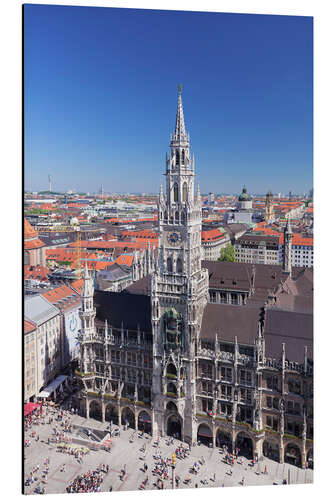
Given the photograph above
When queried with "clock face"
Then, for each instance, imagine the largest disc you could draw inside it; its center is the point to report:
(174, 237)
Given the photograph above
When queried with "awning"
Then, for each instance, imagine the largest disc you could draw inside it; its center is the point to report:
(30, 407)
(52, 386)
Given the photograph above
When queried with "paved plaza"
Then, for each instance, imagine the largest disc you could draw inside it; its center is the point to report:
(128, 452)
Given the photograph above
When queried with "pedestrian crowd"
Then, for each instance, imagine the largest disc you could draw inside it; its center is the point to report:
(90, 482)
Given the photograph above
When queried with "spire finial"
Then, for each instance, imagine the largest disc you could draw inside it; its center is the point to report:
(180, 132)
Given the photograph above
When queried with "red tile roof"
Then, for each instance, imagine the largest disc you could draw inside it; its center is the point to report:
(211, 235)
(29, 231)
(36, 273)
(77, 285)
(33, 244)
(125, 260)
(63, 296)
(302, 241)
(29, 326)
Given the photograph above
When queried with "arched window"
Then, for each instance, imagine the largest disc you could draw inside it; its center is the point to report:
(177, 217)
(183, 156)
(179, 265)
(171, 370)
(165, 216)
(183, 218)
(177, 157)
(184, 192)
(169, 265)
(175, 192)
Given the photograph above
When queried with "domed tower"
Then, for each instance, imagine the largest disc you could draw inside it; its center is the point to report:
(245, 200)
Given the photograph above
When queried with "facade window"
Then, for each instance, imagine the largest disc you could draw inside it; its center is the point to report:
(179, 266)
(272, 383)
(226, 373)
(175, 193)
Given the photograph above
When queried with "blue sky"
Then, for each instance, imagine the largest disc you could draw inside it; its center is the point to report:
(101, 97)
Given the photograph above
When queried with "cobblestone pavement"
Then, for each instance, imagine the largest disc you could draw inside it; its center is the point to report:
(123, 452)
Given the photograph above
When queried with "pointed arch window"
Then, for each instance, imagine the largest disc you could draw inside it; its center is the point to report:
(184, 192)
(179, 265)
(175, 193)
(165, 216)
(177, 217)
(169, 265)
(183, 218)
(183, 156)
(177, 157)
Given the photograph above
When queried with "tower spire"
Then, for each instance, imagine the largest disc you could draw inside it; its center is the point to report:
(180, 132)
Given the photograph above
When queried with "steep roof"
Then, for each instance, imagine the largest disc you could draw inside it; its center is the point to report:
(29, 231)
(295, 329)
(228, 322)
(122, 309)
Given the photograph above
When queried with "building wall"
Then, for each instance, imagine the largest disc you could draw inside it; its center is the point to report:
(259, 255)
(48, 347)
(212, 249)
(302, 255)
(30, 366)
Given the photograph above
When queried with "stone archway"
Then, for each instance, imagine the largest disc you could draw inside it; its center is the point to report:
(127, 417)
(223, 438)
(111, 414)
(174, 426)
(271, 449)
(244, 444)
(292, 454)
(144, 422)
(205, 434)
(95, 410)
(309, 458)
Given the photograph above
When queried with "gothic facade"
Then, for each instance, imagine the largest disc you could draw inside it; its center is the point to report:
(200, 349)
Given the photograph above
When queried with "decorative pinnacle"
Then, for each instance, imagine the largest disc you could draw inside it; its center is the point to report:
(180, 88)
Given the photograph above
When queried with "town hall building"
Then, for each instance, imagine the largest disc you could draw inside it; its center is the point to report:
(211, 352)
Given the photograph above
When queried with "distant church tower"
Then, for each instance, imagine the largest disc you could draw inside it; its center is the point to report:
(288, 236)
(179, 292)
(269, 210)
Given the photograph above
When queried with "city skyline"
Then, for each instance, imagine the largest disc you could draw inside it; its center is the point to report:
(93, 114)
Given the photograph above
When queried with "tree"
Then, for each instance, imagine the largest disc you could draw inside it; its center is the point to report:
(227, 254)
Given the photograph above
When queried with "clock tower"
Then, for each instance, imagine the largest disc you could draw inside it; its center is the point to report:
(179, 291)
